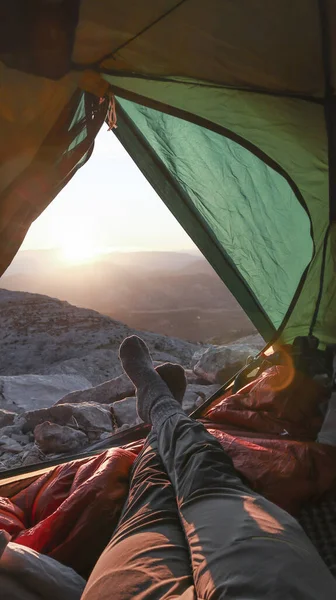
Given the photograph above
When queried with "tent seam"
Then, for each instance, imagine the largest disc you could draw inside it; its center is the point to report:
(330, 129)
(137, 35)
(205, 84)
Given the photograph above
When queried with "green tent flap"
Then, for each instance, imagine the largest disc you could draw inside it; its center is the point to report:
(233, 196)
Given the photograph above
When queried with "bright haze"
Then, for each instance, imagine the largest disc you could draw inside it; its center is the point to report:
(107, 206)
(109, 243)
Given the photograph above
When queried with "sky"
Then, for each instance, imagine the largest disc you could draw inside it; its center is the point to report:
(108, 205)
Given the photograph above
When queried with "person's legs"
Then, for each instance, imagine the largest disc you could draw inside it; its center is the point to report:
(242, 546)
(147, 557)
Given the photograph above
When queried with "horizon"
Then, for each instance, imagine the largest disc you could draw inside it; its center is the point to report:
(124, 250)
(108, 206)
(55, 257)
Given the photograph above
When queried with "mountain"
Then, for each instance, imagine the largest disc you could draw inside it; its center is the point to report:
(172, 293)
(153, 261)
(43, 335)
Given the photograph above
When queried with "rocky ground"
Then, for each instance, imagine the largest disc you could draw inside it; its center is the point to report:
(62, 388)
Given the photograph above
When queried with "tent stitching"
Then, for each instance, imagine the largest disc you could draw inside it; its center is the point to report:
(206, 84)
(319, 297)
(137, 35)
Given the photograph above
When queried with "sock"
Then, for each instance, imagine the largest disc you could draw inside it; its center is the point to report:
(174, 376)
(155, 399)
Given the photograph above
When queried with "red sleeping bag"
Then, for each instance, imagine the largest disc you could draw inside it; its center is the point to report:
(267, 428)
(70, 512)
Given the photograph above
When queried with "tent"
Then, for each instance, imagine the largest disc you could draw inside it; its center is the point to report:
(228, 109)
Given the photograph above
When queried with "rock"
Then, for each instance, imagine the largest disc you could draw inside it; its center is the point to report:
(196, 394)
(6, 417)
(219, 363)
(11, 460)
(193, 378)
(199, 401)
(90, 417)
(125, 411)
(29, 447)
(6, 456)
(51, 437)
(163, 357)
(19, 421)
(9, 445)
(105, 393)
(97, 366)
(21, 438)
(61, 416)
(33, 455)
(39, 334)
(26, 392)
(10, 430)
(197, 355)
(105, 435)
(123, 427)
(189, 401)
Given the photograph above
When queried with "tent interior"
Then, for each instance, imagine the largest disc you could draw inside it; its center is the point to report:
(229, 110)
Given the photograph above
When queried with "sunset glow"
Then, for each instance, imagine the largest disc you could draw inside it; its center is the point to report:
(78, 252)
(108, 204)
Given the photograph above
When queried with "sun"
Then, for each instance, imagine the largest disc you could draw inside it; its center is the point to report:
(78, 253)
(78, 245)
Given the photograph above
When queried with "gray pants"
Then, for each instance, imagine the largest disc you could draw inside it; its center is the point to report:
(191, 529)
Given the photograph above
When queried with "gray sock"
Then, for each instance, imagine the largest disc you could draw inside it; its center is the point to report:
(155, 401)
(174, 376)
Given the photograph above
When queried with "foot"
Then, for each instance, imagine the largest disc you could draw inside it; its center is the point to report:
(167, 382)
(174, 376)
